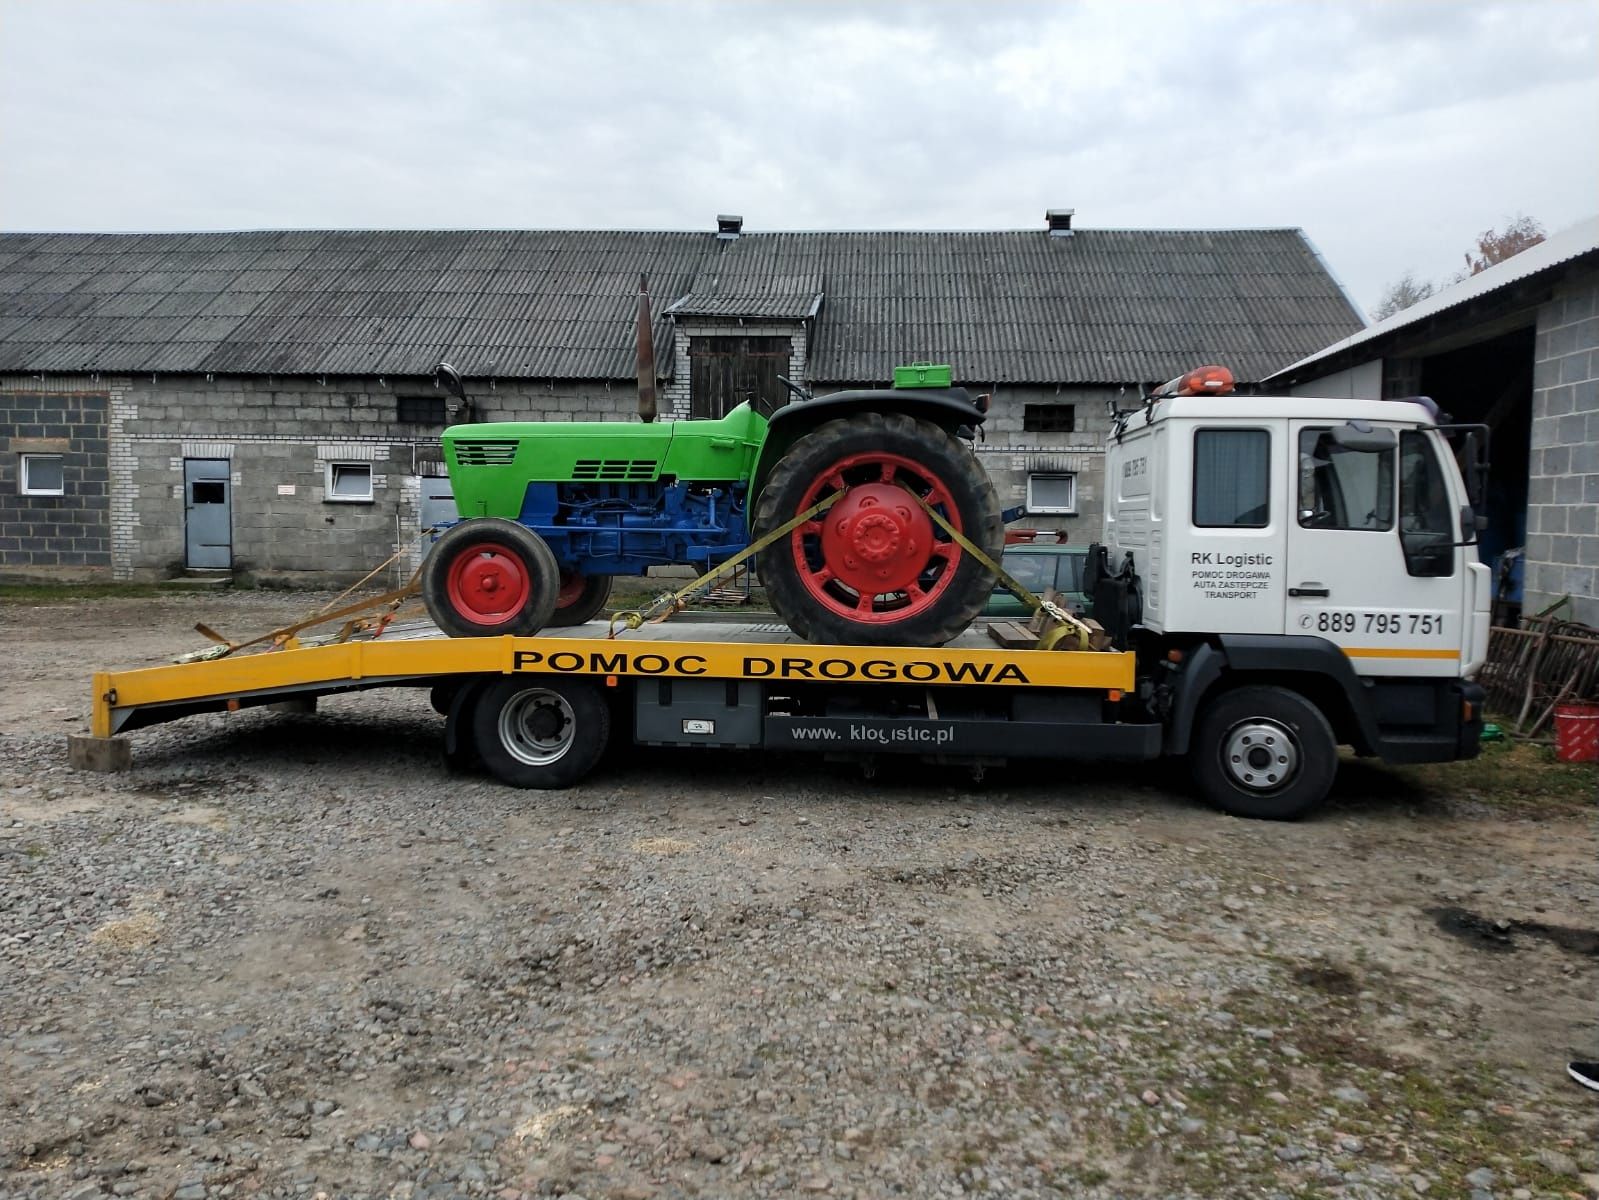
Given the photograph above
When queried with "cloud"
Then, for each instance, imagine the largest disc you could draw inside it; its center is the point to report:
(1391, 132)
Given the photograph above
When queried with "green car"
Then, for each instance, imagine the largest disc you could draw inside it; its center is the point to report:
(1040, 566)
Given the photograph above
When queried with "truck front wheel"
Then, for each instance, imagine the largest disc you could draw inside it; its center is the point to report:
(1264, 752)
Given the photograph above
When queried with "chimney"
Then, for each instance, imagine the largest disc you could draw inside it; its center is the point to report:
(728, 227)
(1059, 221)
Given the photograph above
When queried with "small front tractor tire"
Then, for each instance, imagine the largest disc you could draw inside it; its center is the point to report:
(1264, 752)
(536, 733)
(580, 598)
(488, 576)
(874, 569)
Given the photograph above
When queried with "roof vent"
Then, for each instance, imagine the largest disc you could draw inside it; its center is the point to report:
(728, 227)
(1059, 221)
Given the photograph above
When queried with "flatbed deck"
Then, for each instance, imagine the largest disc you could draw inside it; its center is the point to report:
(418, 655)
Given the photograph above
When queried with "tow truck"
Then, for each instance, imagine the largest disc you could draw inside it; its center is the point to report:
(1277, 576)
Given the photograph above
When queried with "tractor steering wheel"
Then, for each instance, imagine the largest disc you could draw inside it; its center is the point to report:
(799, 392)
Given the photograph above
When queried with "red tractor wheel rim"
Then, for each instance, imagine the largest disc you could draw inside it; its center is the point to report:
(571, 589)
(488, 583)
(875, 555)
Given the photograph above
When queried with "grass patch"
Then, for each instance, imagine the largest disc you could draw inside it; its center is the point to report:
(61, 593)
(1510, 773)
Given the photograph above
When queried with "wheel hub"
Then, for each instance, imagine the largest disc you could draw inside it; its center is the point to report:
(1261, 755)
(876, 539)
(488, 583)
(537, 727)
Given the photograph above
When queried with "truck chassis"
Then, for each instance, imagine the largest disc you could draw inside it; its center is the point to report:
(539, 711)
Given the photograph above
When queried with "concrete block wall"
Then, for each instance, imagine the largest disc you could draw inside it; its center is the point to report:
(69, 533)
(1010, 454)
(279, 435)
(1563, 471)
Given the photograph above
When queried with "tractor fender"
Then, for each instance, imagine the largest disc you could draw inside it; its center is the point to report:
(948, 408)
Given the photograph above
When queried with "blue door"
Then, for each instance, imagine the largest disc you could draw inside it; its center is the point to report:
(207, 514)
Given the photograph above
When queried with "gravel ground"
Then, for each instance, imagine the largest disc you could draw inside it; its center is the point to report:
(292, 956)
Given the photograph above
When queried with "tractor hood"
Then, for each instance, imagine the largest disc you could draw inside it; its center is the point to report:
(491, 464)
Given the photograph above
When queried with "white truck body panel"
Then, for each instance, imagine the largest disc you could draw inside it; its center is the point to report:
(1243, 518)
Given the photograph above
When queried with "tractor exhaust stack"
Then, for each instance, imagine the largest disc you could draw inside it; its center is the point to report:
(646, 353)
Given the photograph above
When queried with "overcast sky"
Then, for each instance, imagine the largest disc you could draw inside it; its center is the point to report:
(1390, 132)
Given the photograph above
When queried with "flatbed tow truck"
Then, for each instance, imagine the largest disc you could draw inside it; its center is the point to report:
(1278, 577)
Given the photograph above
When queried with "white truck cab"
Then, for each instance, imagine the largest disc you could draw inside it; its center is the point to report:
(1323, 546)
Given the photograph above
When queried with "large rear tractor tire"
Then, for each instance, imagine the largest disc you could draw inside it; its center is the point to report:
(580, 598)
(874, 569)
(488, 576)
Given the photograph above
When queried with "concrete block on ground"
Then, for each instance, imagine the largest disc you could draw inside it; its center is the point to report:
(86, 753)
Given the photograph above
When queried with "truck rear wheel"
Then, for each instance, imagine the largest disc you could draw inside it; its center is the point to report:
(580, 598)
(875, 568)
(488, 576)
(1264, 752)
(536, 733)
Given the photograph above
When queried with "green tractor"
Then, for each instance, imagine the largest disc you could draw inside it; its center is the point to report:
(551, 511)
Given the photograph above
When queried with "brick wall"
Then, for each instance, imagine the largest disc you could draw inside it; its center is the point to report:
(1563, 481)
(69, 533)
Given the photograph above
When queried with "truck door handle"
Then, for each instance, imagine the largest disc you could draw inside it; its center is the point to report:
(1309, 590)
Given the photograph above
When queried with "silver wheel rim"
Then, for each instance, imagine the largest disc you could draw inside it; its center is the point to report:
(1260, 755)
(537, 727)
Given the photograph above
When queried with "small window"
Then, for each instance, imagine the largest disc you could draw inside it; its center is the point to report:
(349, 482)
(209, 491)
(43, 475)
(419, 410)
(1426, 517)
(1049, 418)
(1052, 493)
(1343, 489)
(1232, 478)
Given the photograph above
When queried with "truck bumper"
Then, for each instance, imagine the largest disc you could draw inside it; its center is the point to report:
(1455, 735)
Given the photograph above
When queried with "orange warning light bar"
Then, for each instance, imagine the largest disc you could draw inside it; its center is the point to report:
(1201, 381)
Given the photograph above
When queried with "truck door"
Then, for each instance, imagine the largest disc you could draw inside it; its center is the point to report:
(1371, 564)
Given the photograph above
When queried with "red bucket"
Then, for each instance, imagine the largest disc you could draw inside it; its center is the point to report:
(1577, 732)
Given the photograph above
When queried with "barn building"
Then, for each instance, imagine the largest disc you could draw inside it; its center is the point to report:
(1516, 347)
(262, 402)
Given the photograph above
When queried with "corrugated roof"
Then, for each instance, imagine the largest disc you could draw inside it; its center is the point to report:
(1101, 306)
(1570, 243)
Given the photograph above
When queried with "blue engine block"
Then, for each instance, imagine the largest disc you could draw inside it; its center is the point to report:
(625, 528)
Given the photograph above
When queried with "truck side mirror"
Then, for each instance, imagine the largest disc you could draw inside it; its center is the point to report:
(1363, 438)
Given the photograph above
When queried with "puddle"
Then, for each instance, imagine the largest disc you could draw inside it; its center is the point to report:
(1501, 936)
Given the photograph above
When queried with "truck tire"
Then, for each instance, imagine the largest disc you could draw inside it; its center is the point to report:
(488, 576)
(1264, 752)
(532, 732)
(874, 569)
(580, 598)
